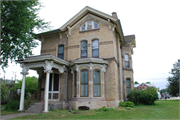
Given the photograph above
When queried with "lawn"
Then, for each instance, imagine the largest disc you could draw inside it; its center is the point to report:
(162, 109)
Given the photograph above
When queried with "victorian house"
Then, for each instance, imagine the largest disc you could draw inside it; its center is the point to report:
(87, 62)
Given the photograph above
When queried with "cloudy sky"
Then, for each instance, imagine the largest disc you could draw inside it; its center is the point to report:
(155, 23)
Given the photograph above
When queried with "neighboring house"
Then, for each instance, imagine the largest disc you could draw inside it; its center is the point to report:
(143, 86)
(87, 62)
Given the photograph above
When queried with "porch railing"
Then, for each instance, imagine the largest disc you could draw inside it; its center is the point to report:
(28, 101)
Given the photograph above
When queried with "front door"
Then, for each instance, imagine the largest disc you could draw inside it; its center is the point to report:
(54, 87)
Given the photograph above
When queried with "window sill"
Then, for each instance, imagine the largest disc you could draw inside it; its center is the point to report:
(89, 30)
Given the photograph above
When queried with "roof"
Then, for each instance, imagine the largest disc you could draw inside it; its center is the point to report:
(150, 85)
(84, 12)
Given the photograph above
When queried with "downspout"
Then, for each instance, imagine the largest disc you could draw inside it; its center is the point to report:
(66, 89)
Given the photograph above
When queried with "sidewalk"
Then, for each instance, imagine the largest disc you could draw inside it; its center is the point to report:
(15, 115)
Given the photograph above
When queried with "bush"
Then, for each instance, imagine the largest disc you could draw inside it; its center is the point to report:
(126, 104)
(12, 105)
(146, 97)
(105, 109)
(4, 91)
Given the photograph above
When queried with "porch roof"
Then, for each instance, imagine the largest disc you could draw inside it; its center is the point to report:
(40, 58)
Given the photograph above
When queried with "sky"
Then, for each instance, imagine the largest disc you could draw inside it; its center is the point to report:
(155, 24)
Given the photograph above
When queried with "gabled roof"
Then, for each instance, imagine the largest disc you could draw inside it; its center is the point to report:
(84, 12)
(149, 85)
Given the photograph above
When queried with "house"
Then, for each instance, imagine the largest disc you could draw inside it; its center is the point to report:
(143, 86)
(87, 62)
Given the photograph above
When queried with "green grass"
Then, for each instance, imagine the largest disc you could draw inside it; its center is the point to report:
(3, 106)
(168, 109)
(7, 112)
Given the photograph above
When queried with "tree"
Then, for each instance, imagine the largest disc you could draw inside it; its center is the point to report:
(148, 82)
(31, 85)
(173, 82)
(4, 91)
(136, 82)
(18, 22)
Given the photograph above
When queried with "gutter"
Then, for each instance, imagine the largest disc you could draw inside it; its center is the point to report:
(66, 89)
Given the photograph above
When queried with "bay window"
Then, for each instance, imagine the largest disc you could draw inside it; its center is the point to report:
(97, 85)
(84, 83)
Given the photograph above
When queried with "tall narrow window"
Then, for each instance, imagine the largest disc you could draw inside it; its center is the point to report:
(83, 27)
(96, 25)
(61, 52)
(84, 83)
(97, 86)
(75, 83)
(95, 48)
(89, 25)
(126, 57)
(128, 86)
(83, 49)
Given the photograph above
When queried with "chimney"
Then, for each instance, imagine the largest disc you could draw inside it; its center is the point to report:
(114, 15)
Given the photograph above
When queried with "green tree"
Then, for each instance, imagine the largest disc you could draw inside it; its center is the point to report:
(173, 82)
(31, 85)
(18, 22)
(136, 82)
(4, 91)
(148, 82)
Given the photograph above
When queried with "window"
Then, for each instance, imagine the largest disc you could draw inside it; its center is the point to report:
(95, 48)
(89, 26)
(84, 83)
(75, 83)
(97, 85)
(61, 52)
(145, 87)
(126, 57)
(140, 88)
(83, 49)
(128, 86)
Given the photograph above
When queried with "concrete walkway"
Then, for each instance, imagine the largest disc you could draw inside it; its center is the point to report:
(15, 115)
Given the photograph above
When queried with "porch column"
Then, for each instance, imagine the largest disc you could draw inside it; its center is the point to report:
(24, 73)
(47, 70)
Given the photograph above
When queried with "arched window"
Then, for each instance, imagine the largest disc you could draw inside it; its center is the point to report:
(97, 83)
(61, 51)
(95, 48)
(83, 49)
(128, 85)
(84, 83)
(89, 26)
(126, 57)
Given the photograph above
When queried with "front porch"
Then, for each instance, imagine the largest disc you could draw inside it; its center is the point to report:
(48, 67)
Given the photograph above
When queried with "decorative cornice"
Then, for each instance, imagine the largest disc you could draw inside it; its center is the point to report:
(48, 66)
(25, 69)
(90, 66)
(61, 69)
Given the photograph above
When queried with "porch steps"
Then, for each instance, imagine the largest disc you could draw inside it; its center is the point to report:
(36, 108)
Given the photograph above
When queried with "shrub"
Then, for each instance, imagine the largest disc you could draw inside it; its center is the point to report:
(128, 108)
(146, 97)
(4, 91)
(105, 109)
(126, 104)
(12, 105)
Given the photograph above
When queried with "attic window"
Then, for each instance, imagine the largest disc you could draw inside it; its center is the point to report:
(89, 26)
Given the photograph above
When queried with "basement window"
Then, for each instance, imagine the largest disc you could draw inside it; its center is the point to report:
(83, 108)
